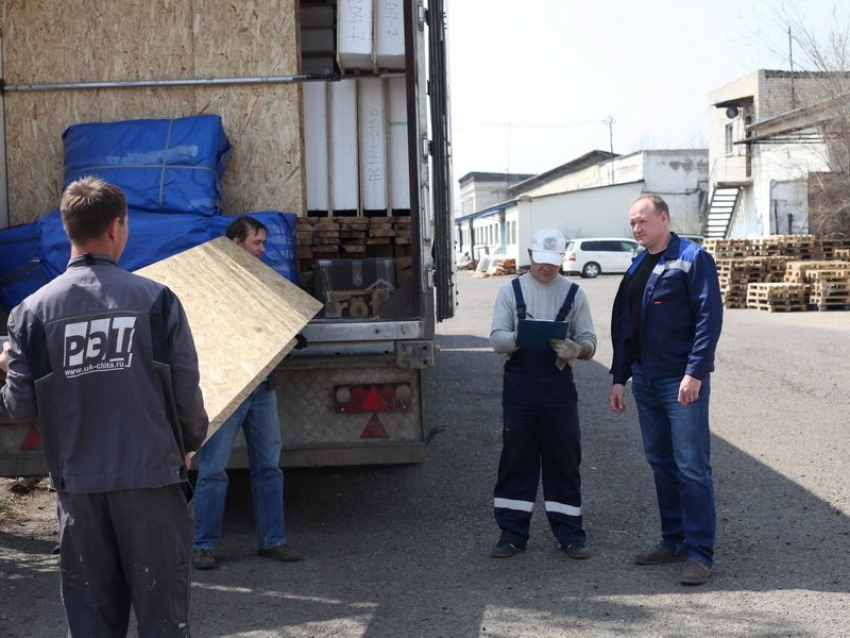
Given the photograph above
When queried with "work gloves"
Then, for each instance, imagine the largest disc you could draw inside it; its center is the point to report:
(567, 352)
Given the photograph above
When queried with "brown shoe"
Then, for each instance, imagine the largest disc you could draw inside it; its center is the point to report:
(283, 553)
(695, 573)
(658, 556)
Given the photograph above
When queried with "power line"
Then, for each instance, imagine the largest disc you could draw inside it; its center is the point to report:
(472, 124)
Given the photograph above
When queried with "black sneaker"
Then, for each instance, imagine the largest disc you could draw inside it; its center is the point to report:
(577, 550)
(283, 553)
(506, 550)
(204, 559)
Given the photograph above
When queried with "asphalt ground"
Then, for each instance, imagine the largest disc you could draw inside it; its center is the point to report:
(404, 551)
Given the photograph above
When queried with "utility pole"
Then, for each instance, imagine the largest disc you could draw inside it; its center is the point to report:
(610, 122)
(791, 64)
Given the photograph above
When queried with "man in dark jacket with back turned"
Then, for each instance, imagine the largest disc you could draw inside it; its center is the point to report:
(105, 360)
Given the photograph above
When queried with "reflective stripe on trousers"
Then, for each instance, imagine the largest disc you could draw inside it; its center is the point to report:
(540, 435)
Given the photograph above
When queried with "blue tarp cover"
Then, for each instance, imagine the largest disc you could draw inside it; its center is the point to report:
(33, 254)
(162, 165)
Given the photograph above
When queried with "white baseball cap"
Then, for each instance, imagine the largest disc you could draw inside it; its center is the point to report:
(548, 247)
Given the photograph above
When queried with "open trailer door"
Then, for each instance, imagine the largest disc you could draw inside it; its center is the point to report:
(441, 162)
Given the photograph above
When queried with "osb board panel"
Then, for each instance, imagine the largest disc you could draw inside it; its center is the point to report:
(243, 316)
(45, 41)
(266, 169)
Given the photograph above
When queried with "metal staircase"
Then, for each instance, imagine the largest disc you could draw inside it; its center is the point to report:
(724, 199)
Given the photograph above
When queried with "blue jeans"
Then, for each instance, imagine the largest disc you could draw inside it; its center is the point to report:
(677, 444)
(258, 418)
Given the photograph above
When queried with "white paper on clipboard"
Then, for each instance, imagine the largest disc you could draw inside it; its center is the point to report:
(534, 334)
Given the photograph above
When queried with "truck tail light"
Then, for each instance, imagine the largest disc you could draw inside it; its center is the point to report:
(375, 397)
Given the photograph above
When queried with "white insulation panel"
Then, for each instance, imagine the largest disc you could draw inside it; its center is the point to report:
(343, 147)
(355, 34)
(399, 158)
(316, 144)
(373, 144)
(389, 34)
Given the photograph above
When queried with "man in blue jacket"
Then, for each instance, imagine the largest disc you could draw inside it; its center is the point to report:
(665, 325)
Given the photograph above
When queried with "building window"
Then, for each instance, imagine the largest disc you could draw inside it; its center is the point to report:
(728, 139)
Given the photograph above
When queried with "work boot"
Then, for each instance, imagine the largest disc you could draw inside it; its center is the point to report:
(283, 553)
(204, 559)
(505, 550)
(577, 550)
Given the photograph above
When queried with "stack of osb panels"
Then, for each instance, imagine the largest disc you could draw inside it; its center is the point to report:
(775, 297)
(339, 237)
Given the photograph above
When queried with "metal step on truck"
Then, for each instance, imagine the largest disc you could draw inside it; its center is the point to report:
(337, 111)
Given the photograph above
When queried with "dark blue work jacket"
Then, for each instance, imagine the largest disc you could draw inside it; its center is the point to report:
(682, 315)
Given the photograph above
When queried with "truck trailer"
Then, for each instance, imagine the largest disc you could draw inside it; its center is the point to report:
(337, 110)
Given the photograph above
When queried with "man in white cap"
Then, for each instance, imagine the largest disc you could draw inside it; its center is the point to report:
(539, 400)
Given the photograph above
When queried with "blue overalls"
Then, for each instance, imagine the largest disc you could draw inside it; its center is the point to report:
(540, 430)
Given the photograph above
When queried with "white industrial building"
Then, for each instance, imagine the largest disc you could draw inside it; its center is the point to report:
(588, 197)
(769, 150)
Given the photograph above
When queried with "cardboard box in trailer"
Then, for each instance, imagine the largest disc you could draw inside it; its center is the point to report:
(337, 110)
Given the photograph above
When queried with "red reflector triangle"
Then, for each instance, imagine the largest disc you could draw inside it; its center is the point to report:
(373, 400)
(32, 442)
(374, 429)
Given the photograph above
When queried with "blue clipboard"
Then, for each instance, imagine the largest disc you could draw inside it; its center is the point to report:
(534, 334)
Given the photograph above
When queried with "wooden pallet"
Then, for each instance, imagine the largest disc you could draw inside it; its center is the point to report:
(775, 306)
(777, 297)
(802, 271)
(823, 307)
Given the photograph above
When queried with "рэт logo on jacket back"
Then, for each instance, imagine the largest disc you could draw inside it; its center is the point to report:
(99, 345)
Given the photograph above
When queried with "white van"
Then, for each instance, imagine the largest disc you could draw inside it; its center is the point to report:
(592, 256)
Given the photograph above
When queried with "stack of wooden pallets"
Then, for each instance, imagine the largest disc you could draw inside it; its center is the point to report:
(830, 288)
(353, 238)
(836, 247)
(798, 246)
(792, 261)
(727, 248)
(800, 271)
(777, 296)
(502, 266)
(735, 275)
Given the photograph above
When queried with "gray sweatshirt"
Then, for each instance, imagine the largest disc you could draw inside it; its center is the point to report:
(542, 301)
(105, 360)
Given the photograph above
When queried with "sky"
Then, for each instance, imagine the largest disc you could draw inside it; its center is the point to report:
(537, 83)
